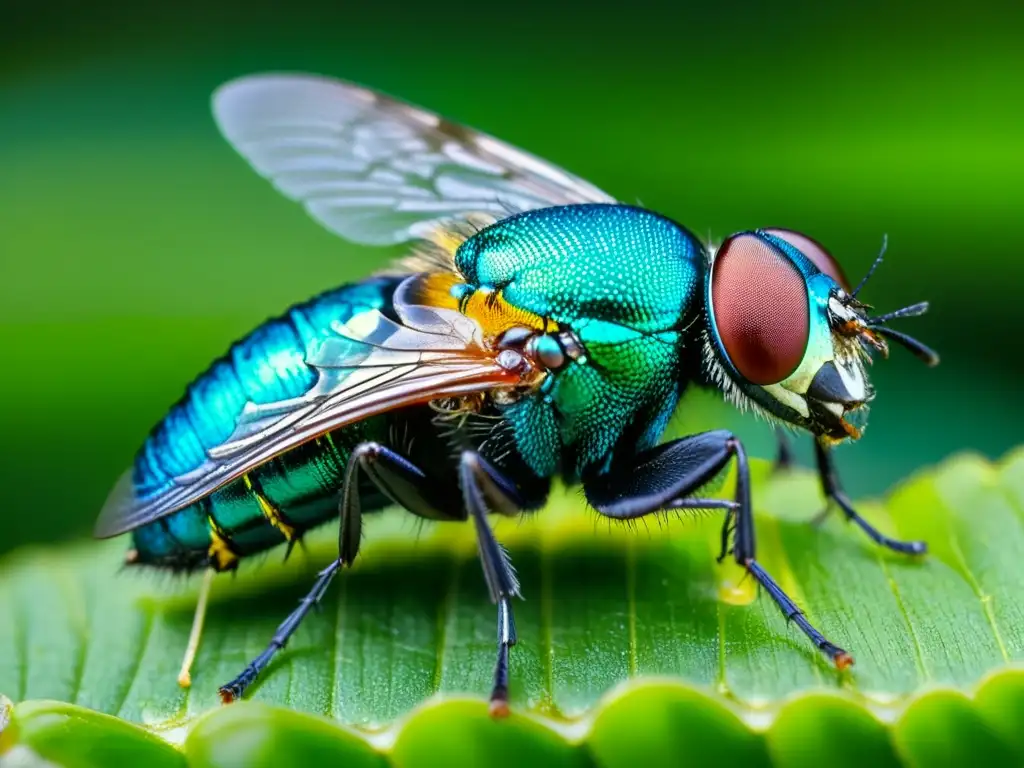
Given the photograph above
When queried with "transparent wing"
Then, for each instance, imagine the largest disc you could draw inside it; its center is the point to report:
(376, 170)
(373, 365)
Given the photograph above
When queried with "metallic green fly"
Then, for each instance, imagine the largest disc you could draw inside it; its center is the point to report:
(537, 329)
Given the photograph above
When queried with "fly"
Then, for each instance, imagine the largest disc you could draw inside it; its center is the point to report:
(537, 328)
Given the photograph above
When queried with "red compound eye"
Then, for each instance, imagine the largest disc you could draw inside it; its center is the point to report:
(760, 308)
(814, 251)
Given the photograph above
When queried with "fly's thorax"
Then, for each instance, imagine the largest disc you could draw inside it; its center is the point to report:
(612, 263)
(777, 318)
(598, 296)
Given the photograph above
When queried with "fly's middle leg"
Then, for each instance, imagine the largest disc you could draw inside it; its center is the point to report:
(398, 479)
(482, 483)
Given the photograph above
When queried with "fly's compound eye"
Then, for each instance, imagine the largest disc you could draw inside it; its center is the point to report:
(814, 251)
(760, 309)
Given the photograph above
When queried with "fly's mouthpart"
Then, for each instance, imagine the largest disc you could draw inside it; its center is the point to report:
(837, 399)
(837, 421)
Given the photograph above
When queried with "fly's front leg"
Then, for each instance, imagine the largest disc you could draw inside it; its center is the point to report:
(399, 480)
(834, 493)
(481, 483)
(664, 477)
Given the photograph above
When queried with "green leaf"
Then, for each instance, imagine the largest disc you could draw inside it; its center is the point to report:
(634, 644)
(72, 736)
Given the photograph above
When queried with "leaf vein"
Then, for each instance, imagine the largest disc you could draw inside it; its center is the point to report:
(71, 588)
(21, 643)
(332, 708)
(147, 632)
(922, 667)
(723, 682)
(975, 584)
(445, 615)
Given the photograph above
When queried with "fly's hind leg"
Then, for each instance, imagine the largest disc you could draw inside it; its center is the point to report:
(185, 675)
(665, 477)
(398, 479)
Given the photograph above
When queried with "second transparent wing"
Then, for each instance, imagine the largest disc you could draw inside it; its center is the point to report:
(376, 170)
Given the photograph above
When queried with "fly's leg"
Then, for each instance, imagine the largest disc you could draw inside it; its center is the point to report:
(481, 483)
(784, 458)
(185, 675)
(834, 493)
(399, 480)
(663, 477)
(236, 687)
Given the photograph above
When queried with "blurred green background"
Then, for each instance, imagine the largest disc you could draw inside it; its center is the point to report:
(135, 245)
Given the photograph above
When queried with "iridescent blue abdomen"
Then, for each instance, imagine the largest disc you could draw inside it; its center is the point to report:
(300, 487)
(266, 366)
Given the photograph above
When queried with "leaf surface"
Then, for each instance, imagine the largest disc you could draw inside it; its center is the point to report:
(622, 631)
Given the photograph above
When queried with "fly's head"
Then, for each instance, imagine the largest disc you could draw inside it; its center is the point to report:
(787, 336)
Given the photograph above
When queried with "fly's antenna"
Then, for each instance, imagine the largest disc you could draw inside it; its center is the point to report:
(914, 310)
(922, 352)
(878, 326)
(874, 266)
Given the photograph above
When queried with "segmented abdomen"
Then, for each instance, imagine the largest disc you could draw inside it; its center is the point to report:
(294, 491)
(274, 503)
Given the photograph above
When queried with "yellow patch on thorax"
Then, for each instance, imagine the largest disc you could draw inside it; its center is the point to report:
(487, 307)
(496, 315)
(435, 261)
